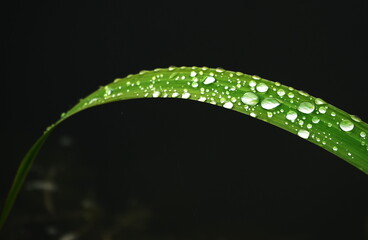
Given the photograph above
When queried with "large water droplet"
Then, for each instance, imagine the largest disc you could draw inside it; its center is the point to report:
(261, 87)
(303, 133)
(250, 98)
(306, 107)
(291, 115)
(346, 125)
(209, 80)
(269, 103)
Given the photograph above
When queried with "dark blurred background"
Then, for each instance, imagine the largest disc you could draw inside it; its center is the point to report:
(177, 169)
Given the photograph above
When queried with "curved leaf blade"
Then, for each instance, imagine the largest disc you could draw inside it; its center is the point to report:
(295, 111)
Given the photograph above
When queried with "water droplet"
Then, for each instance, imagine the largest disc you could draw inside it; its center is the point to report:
(185, 95)
(315, 119)
(252, 83)
(228, 105)
(269, 103)
(261, 87)
(355, 118)
(322, 110)
(363, 134)
(175, 94)
(291, 115)
(194, 84)
(256, 77)
(252, 114)
(107, 91)
(156, 94)
(290, 95)
(303, 133)
(250, 98)
(333, 114)
(306, 107)
(281, 92)
(193, 74)
(346, 125)
(209, 80)
(202, 99)
(335, 148)
(319, 101)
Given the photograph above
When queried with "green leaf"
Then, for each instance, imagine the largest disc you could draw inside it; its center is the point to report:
(295, 111)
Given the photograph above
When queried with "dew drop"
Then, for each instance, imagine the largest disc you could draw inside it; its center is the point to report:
(315, 119)
(194, 84)
(346, 125)
(250, 98)
(291, 115)
(322, 110)
(303, 133)
(193, 74)
(363, 134)
(355, 118)
(319, 101)
(261, 87)
(202, 99)
(156, 94)
(335, 148)
(281, 92)
(228, 105)
(306, 107)
(209, 80)
(269, 103)
(252, 114)
(185, 95)
(252, 83)
(290, 95)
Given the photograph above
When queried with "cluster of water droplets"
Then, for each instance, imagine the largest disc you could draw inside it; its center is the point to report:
(286, 107)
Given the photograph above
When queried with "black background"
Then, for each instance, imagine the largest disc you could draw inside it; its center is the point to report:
(200, 171)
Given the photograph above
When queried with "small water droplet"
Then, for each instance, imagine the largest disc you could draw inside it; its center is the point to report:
(269, 103)
(252, 83)
(202, 99)
(209, 80)
(322, 110)
(319, 101)
(256, 77)
(306, 107)
(356, 118)
(193, 74)
(303, 133)
(156, 94)
(194, 84)
(261, 87)
(185, 95)
(346, 125)
(175, 94)
(290, 95)
(315, 119)
(252, 114)
(250, 98)
(291, 115)
(335, 148)
(333, 114)
(281, 92)
(228, 105)
(363, 134)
